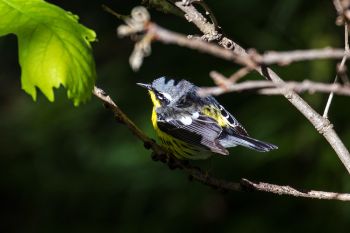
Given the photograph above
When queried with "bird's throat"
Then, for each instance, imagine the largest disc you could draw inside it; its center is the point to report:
(154, 99)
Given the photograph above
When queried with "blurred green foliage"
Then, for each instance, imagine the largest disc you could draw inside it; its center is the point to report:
(66, 169)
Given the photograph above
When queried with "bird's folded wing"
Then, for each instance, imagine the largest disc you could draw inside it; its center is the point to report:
(200, 131)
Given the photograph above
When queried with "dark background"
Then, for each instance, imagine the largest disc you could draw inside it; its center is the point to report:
(67, 169)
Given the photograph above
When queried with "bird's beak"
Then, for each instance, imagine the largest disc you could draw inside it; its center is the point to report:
(145, 85)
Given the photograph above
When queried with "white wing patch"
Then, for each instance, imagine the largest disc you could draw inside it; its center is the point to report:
(195, 115)
(186, 120)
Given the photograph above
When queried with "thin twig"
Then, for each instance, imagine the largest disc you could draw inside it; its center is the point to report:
(202, 176)
(287, 57)
(220, 80)
(112, 12)
(270, 88)
(338, 6)
(239, 74)
(340, 69)
(225, 83)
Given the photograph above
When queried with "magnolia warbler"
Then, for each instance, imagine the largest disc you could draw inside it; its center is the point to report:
(191, 126)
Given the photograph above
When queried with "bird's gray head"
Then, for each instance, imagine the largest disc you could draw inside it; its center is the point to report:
(170, 91)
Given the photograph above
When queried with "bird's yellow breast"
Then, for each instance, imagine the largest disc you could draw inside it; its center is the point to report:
(177, 147)
(156, 104)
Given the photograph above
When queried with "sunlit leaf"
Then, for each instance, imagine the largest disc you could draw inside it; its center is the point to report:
(54, 48)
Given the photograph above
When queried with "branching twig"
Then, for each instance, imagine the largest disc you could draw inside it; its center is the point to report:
(202, 176)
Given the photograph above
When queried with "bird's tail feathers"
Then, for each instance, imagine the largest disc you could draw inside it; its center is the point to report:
(234, 140)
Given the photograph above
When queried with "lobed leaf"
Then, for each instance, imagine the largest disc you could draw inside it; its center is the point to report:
(54, 49)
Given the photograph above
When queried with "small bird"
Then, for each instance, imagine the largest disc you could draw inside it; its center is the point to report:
(191, 126)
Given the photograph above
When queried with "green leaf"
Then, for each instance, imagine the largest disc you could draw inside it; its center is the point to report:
(54, 48)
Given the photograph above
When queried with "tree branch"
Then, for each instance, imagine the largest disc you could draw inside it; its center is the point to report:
(237, 53)
(203, 176)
